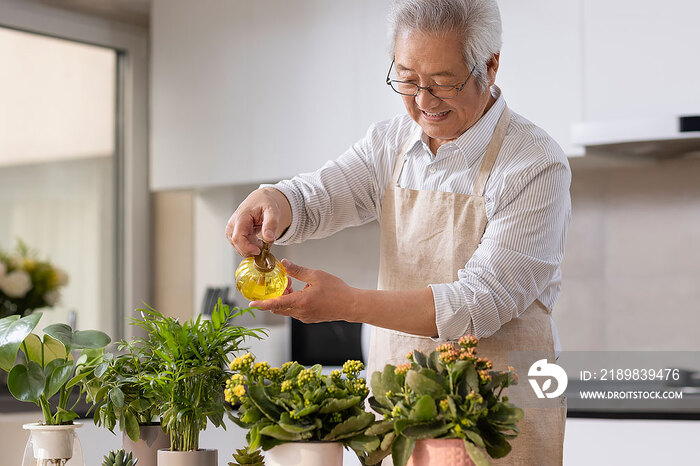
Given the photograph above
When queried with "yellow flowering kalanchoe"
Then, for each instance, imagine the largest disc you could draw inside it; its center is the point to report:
(450, 393)
(297, 403)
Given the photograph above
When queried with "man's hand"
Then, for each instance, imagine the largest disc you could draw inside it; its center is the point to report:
(265, 214)
(324, 298)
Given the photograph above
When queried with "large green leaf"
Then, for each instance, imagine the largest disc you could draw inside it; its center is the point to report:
(426, 430)
(390, 379)
(424, 409)
(52, 349)
(131, 426)
(423, 385)
(26, 382)
(262, 402)
(90, 339)
(57, 373)
(350, 427)
(380, 427)
(13, 331)
(332, 405)
(295, 427)
(401, 449)
(476, 455)
(62, 333)
(279, 433)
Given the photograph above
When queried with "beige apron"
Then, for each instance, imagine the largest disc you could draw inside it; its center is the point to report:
(426, 237)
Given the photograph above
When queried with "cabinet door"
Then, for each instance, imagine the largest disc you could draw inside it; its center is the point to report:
(641, 58)
(540, 68)
(246, 91)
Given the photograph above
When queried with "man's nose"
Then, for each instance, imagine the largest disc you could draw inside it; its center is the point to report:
(425, 99)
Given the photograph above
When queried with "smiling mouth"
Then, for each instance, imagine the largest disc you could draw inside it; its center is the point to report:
(435, 116)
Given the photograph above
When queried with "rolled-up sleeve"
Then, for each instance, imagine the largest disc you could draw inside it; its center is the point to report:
(519, 255)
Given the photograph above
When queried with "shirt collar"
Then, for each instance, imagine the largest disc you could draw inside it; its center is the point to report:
(473, 142)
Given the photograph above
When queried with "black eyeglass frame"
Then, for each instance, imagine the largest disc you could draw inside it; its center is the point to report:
(457, 87)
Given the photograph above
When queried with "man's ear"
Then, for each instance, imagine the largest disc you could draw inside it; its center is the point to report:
(492, 67)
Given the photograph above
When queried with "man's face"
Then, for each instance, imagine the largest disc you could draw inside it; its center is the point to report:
(436, 58)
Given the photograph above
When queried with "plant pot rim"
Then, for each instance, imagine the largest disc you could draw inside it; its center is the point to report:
(168, 450)
(42, 426)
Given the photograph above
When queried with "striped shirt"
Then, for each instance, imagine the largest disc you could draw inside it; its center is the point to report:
(527, 205)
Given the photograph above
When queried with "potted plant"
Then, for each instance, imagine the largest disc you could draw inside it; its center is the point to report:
(447, 400)
(300, 416)
(27, 283)
(119, 458)
(185, 376)
(123, 399)
(43, 368)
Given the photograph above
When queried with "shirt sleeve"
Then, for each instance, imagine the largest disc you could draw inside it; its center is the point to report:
(342, 193)
(519, 254)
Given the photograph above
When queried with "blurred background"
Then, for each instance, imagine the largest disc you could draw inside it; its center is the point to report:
(131, 129)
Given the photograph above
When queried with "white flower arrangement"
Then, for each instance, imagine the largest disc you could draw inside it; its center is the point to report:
(27, 283)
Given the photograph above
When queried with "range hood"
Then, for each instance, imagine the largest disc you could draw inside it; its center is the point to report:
(651, 137)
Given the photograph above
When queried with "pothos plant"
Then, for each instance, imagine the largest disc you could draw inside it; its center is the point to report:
(450, 393)
(293, 403)
(187, 367)
(41, 368)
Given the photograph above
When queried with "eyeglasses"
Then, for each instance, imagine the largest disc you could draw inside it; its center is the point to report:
(410, 89)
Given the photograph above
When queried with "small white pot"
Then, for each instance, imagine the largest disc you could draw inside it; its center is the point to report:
(53, 443)
(305, 454)
(188, 458)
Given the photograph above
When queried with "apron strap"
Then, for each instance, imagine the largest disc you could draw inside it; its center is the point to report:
(401, 159)
(491, 153)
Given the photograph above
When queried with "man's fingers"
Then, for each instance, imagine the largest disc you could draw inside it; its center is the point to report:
(269, 225)
(297, 271)
(283, 304)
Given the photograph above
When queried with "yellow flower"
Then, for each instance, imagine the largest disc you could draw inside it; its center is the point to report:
(239, 390)
(242, 363)
(352, 367)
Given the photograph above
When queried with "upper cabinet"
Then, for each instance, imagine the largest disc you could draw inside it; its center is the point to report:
(641, 59)
(541, 63)
(245, 91)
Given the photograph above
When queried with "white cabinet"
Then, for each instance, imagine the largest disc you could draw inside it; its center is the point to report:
(541, 64)
(641, 59)
(245, 91)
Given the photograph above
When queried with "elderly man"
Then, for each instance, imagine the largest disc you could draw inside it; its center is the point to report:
(473, 203)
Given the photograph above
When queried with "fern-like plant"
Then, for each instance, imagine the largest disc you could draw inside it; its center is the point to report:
(188, 367)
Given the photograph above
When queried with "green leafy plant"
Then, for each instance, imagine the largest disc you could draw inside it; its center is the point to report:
(187, 368)
(120, 389)
(450, 393)
(119, 458)
(245, 457)
(292, 403)
(41, 368)
(27, 283)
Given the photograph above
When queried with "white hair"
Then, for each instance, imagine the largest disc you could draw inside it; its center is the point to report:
(478, 20)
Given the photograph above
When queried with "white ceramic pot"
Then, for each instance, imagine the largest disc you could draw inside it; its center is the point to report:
(151, 439)
(188, 458)
(440, 451)
(305, 454)
(49, 445)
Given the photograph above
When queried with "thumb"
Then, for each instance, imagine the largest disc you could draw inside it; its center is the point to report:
(269, 227)
(297, 271)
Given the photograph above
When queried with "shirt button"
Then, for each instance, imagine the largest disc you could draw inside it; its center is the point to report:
(431, 170)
